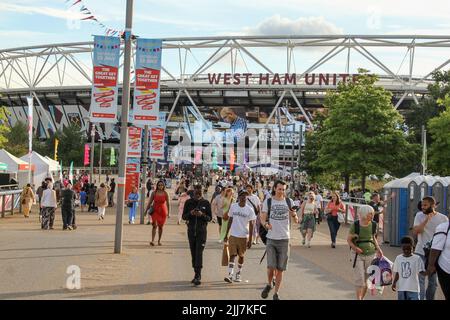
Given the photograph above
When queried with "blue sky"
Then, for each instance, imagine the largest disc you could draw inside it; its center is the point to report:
(30, 22)
(35, 22)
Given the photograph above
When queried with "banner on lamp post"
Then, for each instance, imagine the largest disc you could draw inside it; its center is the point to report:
(157, 143)
(105, 79)
(146, 91)
(30, 134)
(134, 142)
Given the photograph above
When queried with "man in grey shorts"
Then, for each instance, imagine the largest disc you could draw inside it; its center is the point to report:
(278, 236)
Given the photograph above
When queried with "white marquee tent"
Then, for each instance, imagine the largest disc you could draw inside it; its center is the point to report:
(44, 167)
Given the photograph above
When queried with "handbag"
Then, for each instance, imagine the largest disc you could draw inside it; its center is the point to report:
(150, 211)
(130, 204)
(341, 217)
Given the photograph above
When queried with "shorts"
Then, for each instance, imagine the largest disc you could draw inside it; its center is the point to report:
(360, 274)
(219, 221)
(277, 254)
(237, 246)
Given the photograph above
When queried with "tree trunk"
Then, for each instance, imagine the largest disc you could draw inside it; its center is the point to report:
(363, 182)
(347, 182)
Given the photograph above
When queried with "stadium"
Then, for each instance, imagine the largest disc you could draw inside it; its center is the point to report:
(262, 78)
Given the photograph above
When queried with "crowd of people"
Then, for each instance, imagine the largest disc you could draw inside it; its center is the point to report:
(249, 209)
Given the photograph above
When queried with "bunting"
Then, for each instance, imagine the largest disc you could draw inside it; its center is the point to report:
(90, 16)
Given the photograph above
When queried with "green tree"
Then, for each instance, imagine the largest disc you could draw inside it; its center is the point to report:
(419, 115)
(439, 151)
(362, 134)
(71, 145)
(4, 127)
(17, 139)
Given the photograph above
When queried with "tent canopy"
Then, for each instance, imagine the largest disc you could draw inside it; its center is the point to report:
(44, 168)
(14, 164)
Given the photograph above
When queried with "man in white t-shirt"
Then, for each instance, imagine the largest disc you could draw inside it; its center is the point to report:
(278, 235)
(439, 260)
(425, 224)
(240, 226)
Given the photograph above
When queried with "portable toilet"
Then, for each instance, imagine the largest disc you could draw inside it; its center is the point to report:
(440, 193)
(403, 196)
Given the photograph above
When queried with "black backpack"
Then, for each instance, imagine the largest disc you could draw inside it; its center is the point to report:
(427, 247)
(262, 230)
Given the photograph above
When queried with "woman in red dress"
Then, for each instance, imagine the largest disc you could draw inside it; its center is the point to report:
(160, 201)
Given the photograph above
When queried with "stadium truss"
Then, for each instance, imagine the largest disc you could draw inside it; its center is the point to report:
(59, 76)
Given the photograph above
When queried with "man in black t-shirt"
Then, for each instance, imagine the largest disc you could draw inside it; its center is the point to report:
(68, 207)
(197, 213)
(377, 206)
(112, 187)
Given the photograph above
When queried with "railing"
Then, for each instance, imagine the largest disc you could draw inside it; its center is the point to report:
(10, 200)
(353, 205)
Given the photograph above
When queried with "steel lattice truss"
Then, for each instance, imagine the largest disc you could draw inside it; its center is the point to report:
(49, 70)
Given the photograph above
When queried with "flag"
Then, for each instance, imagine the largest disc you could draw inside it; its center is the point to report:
(60, 171)
(112, 160)
(56, 149)
(86, 154)
(71, 172)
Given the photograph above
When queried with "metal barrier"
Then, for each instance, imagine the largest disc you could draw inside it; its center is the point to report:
(10, 200)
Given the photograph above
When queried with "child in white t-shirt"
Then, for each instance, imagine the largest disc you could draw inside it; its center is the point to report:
(407, 267)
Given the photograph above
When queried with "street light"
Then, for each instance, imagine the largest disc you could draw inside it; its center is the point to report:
(124, 128)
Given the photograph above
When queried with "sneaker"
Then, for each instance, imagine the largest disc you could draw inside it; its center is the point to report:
(265, 292)
(74, 227)
(220, 241)
(132, 221)
(238, 278)
(276, 296)
(254, 242)
(303, 242)
(333, 246)
(273, 282)
(69, 228)
(197, 282)
(229, 279)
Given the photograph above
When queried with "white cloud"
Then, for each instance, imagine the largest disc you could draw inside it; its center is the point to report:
(277, 25)
(46, 11)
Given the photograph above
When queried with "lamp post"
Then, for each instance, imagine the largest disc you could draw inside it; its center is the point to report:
(124, 128)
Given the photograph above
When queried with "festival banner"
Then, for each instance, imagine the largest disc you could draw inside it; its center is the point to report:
(146, 92)
(157, 143)
(86, 154)
(134, 142)
(105, 79)
(132, 172)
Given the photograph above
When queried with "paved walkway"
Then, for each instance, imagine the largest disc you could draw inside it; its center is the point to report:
(34, 263)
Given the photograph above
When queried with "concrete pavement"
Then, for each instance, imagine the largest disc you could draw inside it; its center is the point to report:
(34, 263)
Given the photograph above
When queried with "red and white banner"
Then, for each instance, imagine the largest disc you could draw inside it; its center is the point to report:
(157, 143)
(132, 175)
(134, 142)
(105, 79)
(146, 92)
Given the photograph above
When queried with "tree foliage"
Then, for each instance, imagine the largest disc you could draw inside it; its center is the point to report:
(362, 134)
(4, 127)
(17, 139)
(439, 151)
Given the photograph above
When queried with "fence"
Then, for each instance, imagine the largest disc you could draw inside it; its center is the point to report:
(9, 200)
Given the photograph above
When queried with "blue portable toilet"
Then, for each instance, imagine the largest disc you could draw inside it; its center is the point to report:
(402, 197)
